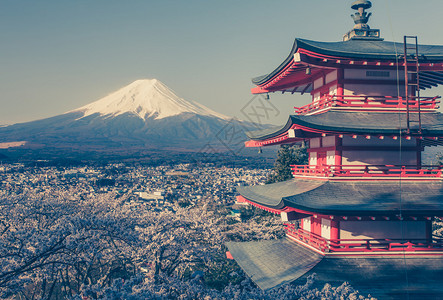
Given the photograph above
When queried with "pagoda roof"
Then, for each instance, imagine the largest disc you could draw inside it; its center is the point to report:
(351, 198)
(273, 263)
(255, 257)
(363, 123)
(343, 54)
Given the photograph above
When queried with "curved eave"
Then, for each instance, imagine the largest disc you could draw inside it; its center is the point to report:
(349, 198)
(277, 136)
(260, 80)
(368, 123)
(271, 195)
(336, 122)
(260, 135)
(286, 206)
(290, 76)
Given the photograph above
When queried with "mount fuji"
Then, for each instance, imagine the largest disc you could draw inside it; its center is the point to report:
(145, 114)
(147, 99)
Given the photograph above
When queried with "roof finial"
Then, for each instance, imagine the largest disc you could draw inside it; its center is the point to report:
(361, 29)
(361, 17)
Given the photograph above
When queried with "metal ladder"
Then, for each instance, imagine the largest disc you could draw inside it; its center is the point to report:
(412, 66)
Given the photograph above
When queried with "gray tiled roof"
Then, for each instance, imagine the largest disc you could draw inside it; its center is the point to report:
(273, 263)
(351, 197)
(419, 278)
(357, 123)
(366, 49)
(356, 49)
(271, 194)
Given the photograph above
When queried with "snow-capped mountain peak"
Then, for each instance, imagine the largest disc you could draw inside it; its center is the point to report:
(141, 118)
(147, 98)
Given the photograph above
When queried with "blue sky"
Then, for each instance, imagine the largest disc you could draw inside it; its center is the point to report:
(59, 55)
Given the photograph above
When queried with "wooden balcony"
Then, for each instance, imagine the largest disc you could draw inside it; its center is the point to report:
(307, 237)
(362, 245)
(368, 171)
(369, 103)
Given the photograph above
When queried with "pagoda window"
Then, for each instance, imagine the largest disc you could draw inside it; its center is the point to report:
(306, 224)
(374, 89)
(330, 157)
(331, 76)
(328, 141)
(325, 85)
(322, 151)
(319, 89)
(315, 143)
(378, 158)
(313, 158)
(362, 151)
(378, 74)
(318, 83)
(383, 230)
(372, 74)
(326, 228)
(372, 82)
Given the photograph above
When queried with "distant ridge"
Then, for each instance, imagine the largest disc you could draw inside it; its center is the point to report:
(145, 114)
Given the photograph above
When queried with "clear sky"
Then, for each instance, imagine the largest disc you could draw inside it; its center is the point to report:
(58, 55)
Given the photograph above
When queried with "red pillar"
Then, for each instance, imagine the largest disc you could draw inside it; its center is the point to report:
(335, 230)
(340, 88)
(316, 225)
(338, 151)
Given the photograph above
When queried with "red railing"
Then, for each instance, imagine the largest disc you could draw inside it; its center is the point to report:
(367, 171)
(372, 245)
(307, 237)
(369, 102)
(362, 245)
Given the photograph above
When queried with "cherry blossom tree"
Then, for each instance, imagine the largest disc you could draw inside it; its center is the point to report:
(51, 244)
(55, 244)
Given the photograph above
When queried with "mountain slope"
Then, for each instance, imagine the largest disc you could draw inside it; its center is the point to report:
(146, 114)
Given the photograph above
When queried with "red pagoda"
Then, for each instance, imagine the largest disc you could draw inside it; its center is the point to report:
(362, 209)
